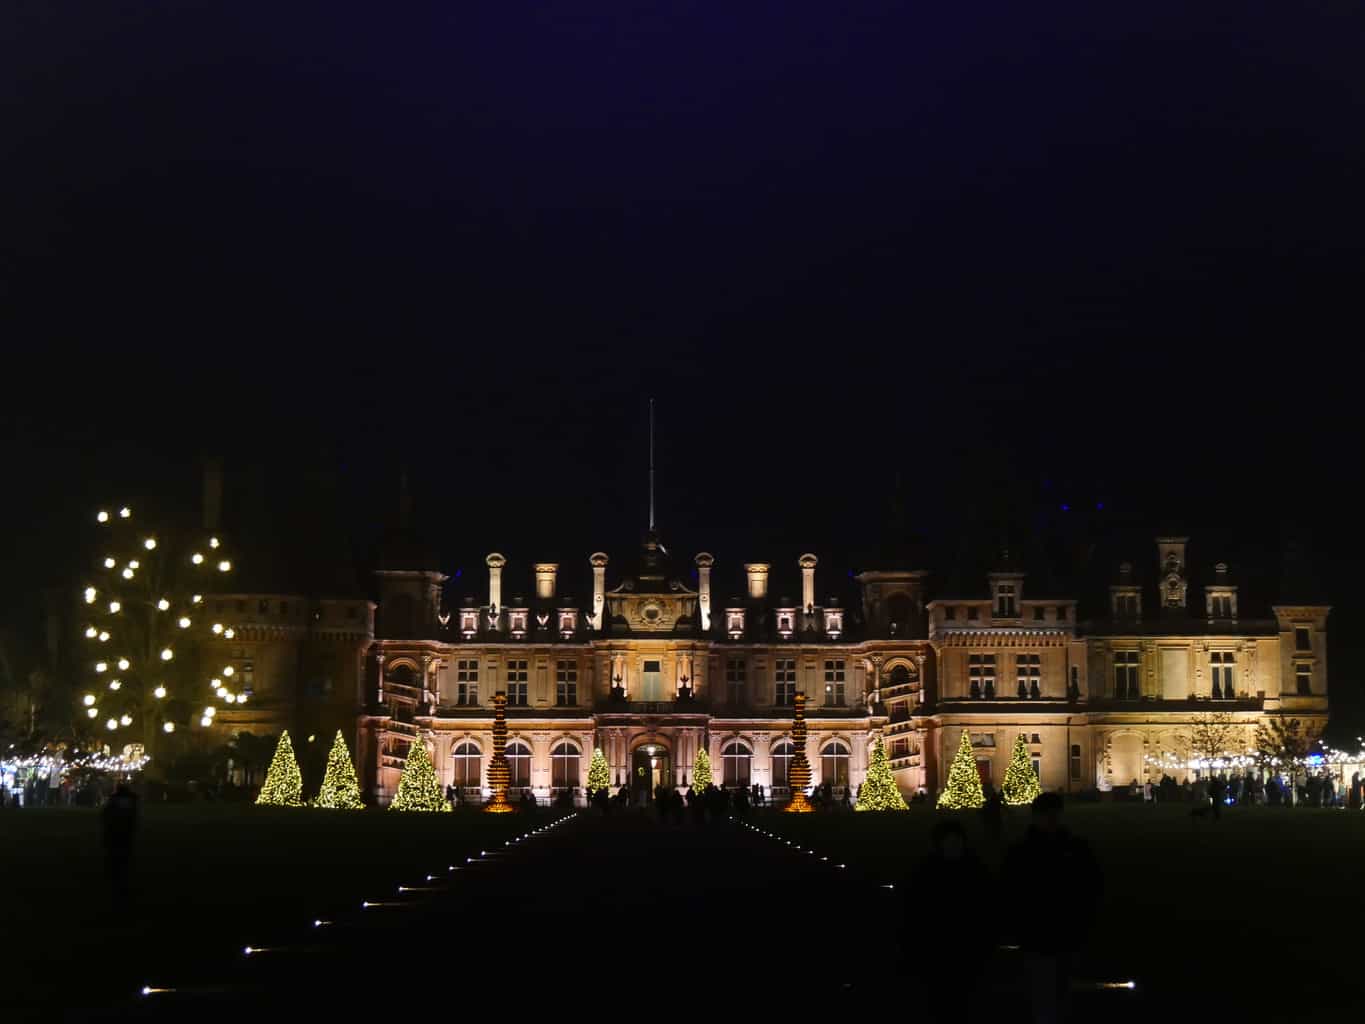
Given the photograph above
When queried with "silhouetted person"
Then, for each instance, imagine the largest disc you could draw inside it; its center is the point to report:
(1051, 859)
(992, 814)
(952, 889)
(119, 823)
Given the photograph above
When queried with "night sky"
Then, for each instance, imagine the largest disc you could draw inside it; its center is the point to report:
(996, 259)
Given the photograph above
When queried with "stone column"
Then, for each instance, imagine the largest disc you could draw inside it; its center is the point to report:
(704, 563)
(598, 561)
(426, 679)
(495, 563)
(807, 564)
(923, 685)
(876, 696)
(379, 676)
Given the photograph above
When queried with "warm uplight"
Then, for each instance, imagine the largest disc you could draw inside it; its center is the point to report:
(123, 664)
(109, 563)
(197, 558)
(149, 543)
(163, 605)
(167, 654)
(168, 727)
(184, 622)
(159, 693)
(89, 699)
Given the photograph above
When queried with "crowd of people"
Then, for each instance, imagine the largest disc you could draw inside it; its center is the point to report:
(1250, 790)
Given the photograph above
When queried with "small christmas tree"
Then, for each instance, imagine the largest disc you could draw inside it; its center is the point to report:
(340, 787)
(964, 781)
(879, 791)
(701, 771)
(599, 776)
(1021, 781)
(418, 789)
(283, 782)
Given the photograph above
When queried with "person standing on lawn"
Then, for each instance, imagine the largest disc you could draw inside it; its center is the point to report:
(118, 821)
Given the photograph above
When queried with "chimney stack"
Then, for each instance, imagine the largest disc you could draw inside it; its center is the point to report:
(598, 561)
(758, 579)
(545, 579)
(495, 563)
(808, 563)
(704, 563)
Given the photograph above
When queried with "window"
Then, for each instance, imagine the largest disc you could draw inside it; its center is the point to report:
(1037, 767)
(734, 623)
(1303, 638)
(1039, 613)
(568, 622)
(564, 766)
(1027, 671)
(263, 607)
(1126, 606)
(1074, 692)
(352, 612)
(1126, 675)
(949, 613)
(1075, 762)
(1222, 606)
(566, 683)
(735, 680)
(468, 764)
(782, 763)
(1036, 738)
(1303, 678)
(467, 681)
(834, 682)
(784, 681)
(653, 686)
(981, 675)
(469, 622)
(1004, 601)
(1222, 663)
(834, 763)
(899, 749)
(516, 684)
(784, 624)
(1061, 613)
(735, 761)
(517, 622)
(518, 764)
(983, 739)
(973, 612)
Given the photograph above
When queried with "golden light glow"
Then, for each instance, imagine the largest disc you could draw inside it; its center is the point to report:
(229, 633)
(101, 666)
(103, 636)
(89, 700)
(206, 721)
(103, 517)
(92, 632)
(127, 574)
(133, 563)
(224, 566)
(109, 563)
(197, 558)
(196, 598)
(217, 628)
(184, 622)
(229, 698)
(93, 712)
(163, 605)
(125, 512)
(89, 595)
(167, 654)
(149, 543)
(241, 698)
(168, 727)
(228, 670)
(111, 724)
(123, 664)
(213, 542)
(126, 720)
(210, 711)
(222, 692)
(215, 683)
(115, 684)
(159, 692)
(115, 607)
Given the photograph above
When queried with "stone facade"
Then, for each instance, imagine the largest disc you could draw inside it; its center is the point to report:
(651, 669)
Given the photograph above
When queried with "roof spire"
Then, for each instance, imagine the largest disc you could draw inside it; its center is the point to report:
(651, 464)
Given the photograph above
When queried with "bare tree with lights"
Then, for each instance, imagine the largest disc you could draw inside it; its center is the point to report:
(1213, 736)
(148, 632)
(1283, 743)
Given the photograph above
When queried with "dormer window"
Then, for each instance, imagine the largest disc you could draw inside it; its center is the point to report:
(516, 622)
(568, 622)
(1127, 604)
(469, 622)
(785, 618)
(1006, 606)
(1222, 606)
(834, 622)
(734, 623)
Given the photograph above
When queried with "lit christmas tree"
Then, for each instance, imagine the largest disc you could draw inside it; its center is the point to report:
(148, 633)
(701, 771)
(964, 781)
(418, 789)
(340, 787)
(599, 776)
(283, 783)
(879, 791)
(1021, 781)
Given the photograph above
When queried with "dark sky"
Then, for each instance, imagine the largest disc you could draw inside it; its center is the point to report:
(1016, 256)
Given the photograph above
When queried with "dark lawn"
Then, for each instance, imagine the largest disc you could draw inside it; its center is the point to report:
(1255, 913)
(208, 879)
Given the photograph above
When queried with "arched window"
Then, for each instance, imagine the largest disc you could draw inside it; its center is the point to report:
(518, 764)
(564, 766)
(735, 761)
(403, 675)
(900, 676)
(834, 763)
(782, 762)
(468, 764)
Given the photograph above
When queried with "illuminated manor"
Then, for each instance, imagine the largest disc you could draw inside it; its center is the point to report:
(656, 666)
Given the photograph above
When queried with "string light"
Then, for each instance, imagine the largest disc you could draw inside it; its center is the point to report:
(149, 543)
(206, 721)
(168, 727)
(127, 574)
(104, 637)
(102, 517)
(217, 628)
(167, 654)
(134, 564)
(109, 563)
(93, 712)
(197, 558)
(184, 622)
(90, 595)
(163, 605)
(91, 632)
(229, 633)
(114, 684)
(123, 664)
(224, 566)
(88, 699)
(196, 598)
(126, 720)
(159, 693)
(101, 666)
(114, 607)
(228, 670)
(112, 724)
(213, 542)
(125, 512)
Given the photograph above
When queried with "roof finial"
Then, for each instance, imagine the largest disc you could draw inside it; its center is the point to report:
(651, 464)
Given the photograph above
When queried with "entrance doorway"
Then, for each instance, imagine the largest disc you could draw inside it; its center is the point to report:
(650, 768)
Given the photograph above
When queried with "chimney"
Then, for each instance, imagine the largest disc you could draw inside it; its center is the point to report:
(1171, 557)
(758, 579)
(213, 494)
(808, 564)
(598, 561)
(545, 579)
(704, 563)
(495, 563)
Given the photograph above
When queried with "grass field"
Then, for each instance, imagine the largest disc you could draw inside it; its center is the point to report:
(208, 879)
(1253, 914)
